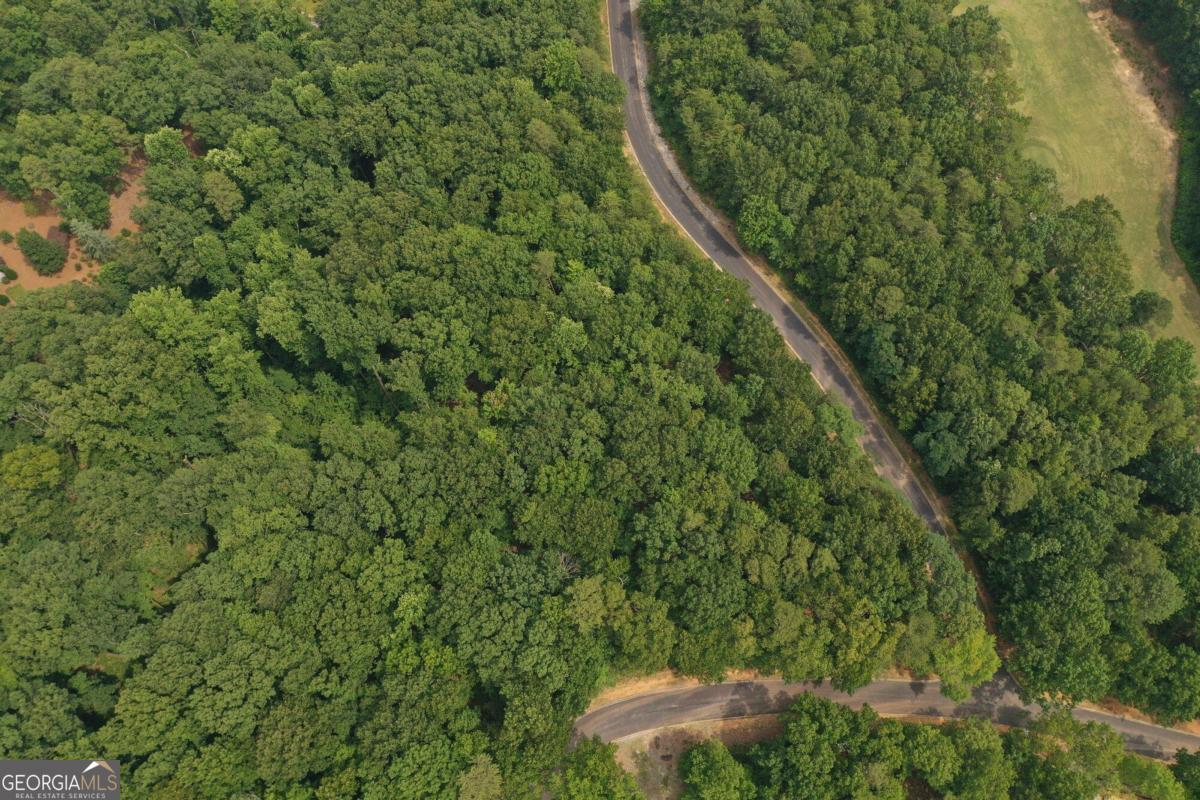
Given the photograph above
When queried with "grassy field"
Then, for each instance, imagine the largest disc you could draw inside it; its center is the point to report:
(1095, 122)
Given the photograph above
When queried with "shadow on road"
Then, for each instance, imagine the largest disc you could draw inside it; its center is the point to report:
(748, 698)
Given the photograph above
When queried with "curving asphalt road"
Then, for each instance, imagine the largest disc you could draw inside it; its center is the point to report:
(996, 700)
(710, 233)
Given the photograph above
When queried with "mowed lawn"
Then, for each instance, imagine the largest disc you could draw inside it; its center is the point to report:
(1094, 124)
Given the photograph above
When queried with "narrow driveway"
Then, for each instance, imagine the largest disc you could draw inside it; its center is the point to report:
(996, 700)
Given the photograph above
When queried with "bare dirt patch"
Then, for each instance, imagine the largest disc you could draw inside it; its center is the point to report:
(1139, 67)
(653, 757)
(1146, 79)
(40, 215)
(193, 144)
(122, 203)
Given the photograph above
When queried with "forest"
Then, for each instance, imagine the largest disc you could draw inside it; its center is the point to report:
(870, 151)
(827, 751)
(404, 424)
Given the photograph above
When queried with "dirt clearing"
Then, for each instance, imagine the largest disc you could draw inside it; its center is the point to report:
(653, 757)
(41, 216)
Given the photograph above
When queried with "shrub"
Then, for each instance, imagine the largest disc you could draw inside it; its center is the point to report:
(8, 272)
(5, 237)
(1149, 779)
(4, 300)
(1150, 307)
(46, 257)
(95, 243)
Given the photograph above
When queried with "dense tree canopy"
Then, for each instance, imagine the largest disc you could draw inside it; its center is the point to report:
(828, 752)
(870, 150)
(404, 423)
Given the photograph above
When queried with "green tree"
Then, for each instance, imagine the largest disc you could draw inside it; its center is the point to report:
(711, 773)
(591, 772)
(45, 256)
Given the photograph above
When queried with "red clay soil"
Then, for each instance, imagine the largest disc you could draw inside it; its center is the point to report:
(41, 216)
(121, 204)
(192, 143)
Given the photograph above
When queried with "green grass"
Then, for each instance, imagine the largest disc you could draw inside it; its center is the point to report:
(1100, 137)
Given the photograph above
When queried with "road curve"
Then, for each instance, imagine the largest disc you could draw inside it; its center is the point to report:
(708, 231)
(996, 701)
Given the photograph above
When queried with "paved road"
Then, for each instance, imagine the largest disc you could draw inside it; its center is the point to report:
(711, 234)
(996, 700)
